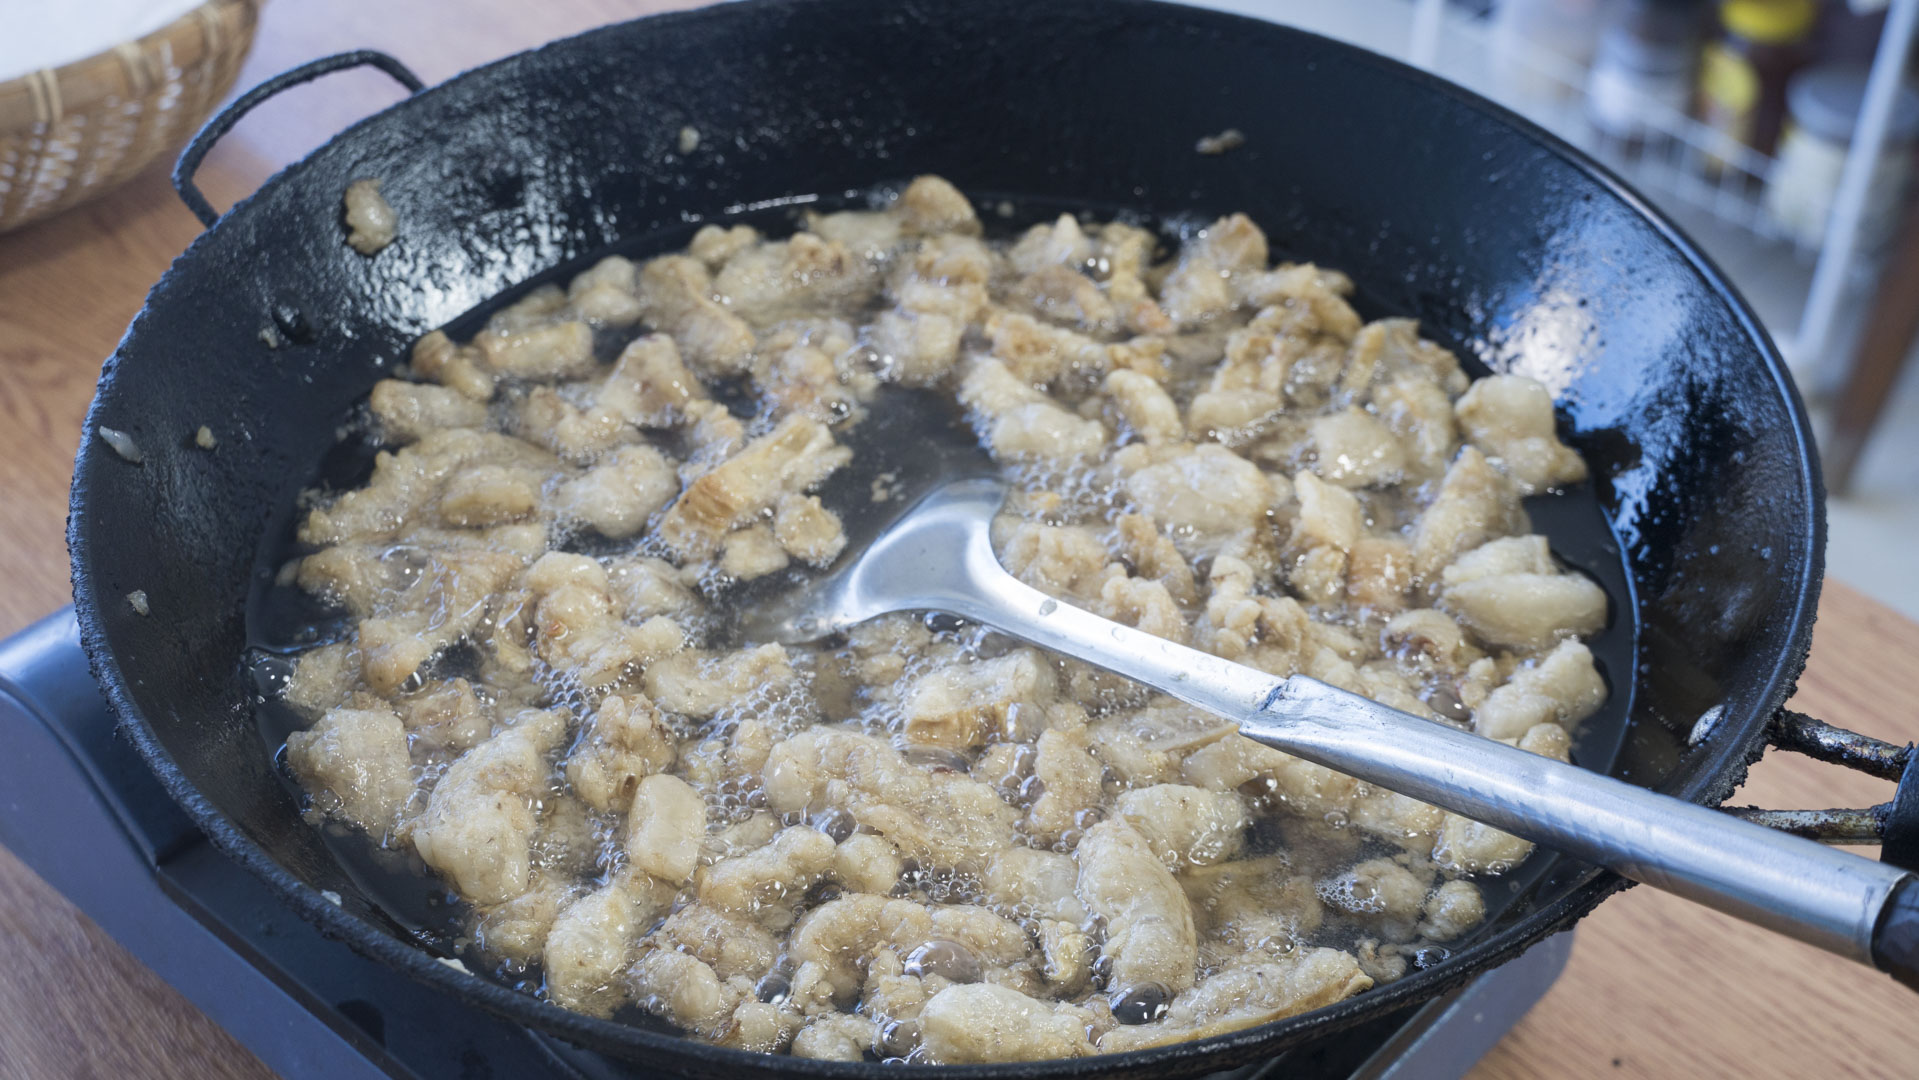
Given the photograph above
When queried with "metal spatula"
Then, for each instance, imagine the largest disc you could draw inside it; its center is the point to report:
(927, 548)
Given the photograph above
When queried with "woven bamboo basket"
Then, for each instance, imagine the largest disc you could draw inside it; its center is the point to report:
(72, 132)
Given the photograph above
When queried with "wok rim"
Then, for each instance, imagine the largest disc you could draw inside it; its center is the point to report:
(1723, 768)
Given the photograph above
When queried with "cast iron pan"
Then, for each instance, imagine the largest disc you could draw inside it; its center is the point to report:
(1503, 241)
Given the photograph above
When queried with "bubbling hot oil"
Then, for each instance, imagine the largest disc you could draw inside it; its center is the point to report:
(587, 849)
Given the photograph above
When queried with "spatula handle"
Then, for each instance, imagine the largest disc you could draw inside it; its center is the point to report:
(1794, 886)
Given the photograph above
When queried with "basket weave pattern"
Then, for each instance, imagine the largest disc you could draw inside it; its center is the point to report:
(70, 133)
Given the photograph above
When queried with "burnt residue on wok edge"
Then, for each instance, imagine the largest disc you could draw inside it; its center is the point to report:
(129, 529)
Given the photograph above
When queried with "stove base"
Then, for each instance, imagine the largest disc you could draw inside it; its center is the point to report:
(83, 810)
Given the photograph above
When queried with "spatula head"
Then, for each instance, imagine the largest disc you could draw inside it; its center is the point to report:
(910, 444)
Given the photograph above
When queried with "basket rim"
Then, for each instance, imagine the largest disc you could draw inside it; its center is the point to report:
(45, 95)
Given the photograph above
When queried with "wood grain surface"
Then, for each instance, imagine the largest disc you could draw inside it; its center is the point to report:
(1656, 987)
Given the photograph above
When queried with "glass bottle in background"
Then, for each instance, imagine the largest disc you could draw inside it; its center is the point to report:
(1744, 70)
(1823, 105)
(1643, 69)
(1542, 48)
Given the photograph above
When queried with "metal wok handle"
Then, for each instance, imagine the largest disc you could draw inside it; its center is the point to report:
(224, 120)
(1893, 824)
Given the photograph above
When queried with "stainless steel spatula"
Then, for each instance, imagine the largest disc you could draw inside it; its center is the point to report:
(931, 551)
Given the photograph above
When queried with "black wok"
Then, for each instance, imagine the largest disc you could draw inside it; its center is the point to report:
(1499, 238)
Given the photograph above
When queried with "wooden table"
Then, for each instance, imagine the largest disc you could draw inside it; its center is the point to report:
(1656, 987)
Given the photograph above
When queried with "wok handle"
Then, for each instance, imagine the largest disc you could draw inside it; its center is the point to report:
(1894, 825)
(224, 120)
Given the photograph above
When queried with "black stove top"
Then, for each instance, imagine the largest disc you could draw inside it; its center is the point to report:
(79, 806)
